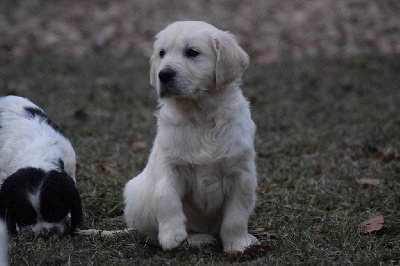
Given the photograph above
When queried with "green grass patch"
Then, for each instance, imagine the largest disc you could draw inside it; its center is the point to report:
(322, 123)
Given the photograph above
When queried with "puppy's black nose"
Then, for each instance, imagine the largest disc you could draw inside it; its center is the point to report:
(166, 75)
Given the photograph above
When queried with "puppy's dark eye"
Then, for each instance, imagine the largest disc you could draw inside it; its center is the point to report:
(191, 53)
(162, 53)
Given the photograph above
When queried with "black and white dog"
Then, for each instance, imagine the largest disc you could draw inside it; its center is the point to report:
(37, 172)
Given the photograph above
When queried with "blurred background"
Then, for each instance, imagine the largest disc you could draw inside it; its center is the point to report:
(269, 30)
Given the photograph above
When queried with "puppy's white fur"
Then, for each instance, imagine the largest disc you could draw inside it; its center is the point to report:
(201, 176)
(29, 143)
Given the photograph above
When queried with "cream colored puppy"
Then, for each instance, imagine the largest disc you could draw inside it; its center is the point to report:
(200, 180)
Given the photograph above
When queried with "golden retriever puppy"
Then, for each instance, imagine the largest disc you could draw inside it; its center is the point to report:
(200, 180)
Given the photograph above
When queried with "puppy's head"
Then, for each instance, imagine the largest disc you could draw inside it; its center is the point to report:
(193, 57)
(37, 203)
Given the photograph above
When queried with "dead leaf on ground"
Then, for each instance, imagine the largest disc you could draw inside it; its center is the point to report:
(110, 169)
(374, 223)
(376, 153)
(385, 157)
(137, 144)
(252, 252)
(106, 164)
(368, 181)
(260, 232)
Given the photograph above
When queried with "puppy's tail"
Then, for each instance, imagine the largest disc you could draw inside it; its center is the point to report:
(3, 244)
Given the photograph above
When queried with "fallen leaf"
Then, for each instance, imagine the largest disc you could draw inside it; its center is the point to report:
(374, 223)
(259, 230)
(368, 181)
(252, 252)
(385, 157)
(388, 157)
(268, 234)
(378, 154)
(266, 189)
(110, 169)
(137, 144)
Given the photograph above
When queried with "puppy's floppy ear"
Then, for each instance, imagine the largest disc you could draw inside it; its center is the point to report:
(4, 213)
(75, 207)
(61, 187)
(3, 202)
(231, 62)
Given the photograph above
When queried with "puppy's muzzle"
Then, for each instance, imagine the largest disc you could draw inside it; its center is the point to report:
(166, 75)
(167, 82)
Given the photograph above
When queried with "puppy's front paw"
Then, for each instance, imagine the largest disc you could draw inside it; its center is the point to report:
(252, 240)
(171, 239)
(239, 244)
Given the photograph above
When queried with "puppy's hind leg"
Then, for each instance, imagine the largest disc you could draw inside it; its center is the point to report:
(239, 205)
(139, 212)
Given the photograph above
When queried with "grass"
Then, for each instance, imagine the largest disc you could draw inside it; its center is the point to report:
(322, 124)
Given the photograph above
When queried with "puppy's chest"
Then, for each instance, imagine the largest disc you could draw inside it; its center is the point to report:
(195, 144)
(205, 186)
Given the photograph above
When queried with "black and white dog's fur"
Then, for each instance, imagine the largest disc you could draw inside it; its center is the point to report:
(37, 172)
(3, 244)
